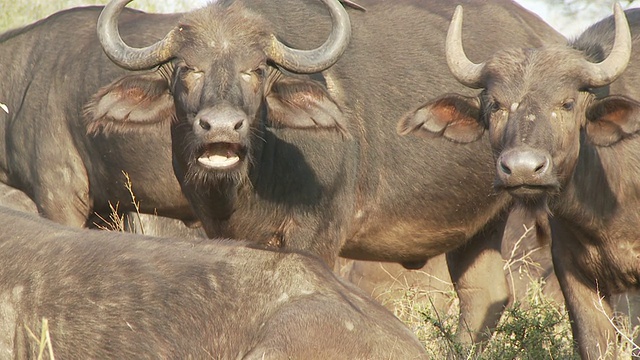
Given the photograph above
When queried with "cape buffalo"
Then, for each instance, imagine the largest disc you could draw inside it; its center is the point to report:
(562, 121)
(108, 295)
(267, 152)
(49, 71)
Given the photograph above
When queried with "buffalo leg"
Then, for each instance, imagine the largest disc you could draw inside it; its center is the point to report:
(477, 273)
(589, 309)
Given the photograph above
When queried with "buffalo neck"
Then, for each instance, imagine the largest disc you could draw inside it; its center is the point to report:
(600, 182)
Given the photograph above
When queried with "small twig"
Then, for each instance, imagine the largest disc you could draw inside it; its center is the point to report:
(115, 222)
(525, 259)
(136, 204)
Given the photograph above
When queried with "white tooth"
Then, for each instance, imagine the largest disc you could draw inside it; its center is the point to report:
(218, 161)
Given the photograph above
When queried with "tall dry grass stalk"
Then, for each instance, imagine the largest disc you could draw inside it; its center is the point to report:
(44, 341)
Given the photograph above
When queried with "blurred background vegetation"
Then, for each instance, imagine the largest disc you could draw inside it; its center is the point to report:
(15, 13)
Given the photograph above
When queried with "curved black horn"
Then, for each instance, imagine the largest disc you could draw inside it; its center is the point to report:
(311, 61)
(463, 69)
(124, 55)
(607, 71)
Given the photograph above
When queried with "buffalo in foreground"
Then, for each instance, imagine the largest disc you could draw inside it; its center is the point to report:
(108, 295)
(311, 161)
(563, 124)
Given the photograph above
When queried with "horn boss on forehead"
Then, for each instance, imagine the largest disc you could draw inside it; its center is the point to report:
(302, 61)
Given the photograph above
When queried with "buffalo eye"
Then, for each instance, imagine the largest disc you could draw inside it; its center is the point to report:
(495, 106)
(190, 76)
(188, 70)
(259, 72)
(568, 104)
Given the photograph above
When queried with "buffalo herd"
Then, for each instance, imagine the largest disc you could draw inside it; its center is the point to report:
(561, 121)
(276, 137)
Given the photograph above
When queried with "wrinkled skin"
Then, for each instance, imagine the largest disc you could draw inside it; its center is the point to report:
(568, 149)
(287, 159)
(113, 295)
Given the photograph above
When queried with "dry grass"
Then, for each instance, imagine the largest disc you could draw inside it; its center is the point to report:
(538, 330)
(44, 346)
(117, 220)
(626, 332)
(534, 327)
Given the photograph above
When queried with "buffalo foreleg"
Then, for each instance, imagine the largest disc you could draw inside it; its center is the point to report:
(589, 309)
(477, 273)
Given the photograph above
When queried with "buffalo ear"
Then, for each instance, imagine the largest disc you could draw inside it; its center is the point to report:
(454, 117)
(303, 104)
(612, 119)
(130, 103)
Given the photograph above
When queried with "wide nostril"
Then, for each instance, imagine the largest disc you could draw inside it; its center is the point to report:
(204, 124)
(505, 168)
(542, 166)
(238, 125)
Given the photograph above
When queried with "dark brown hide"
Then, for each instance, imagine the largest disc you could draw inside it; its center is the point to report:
(525, 261)
(287, 159)
(564, 148)
(50, 70)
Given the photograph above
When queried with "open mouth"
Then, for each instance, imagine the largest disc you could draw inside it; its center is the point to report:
(221, 156)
